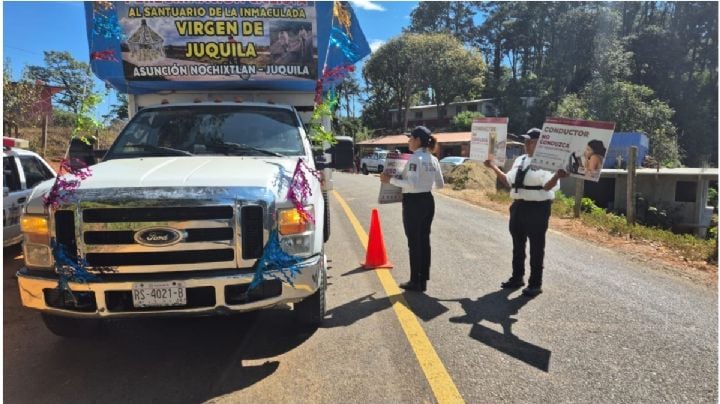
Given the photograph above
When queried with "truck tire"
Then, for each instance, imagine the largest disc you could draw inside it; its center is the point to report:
(380, 168)
(364, 169)
(71, 327)
(326, 221)
(311, 311)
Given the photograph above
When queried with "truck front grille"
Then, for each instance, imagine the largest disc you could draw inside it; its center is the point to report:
(122, 215)
(160, 258)
(128, 237)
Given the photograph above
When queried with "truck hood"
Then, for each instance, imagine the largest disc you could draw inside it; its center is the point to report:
(193, 171)
(271, 173)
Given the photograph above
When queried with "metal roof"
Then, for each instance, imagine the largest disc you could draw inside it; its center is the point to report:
(447, 137)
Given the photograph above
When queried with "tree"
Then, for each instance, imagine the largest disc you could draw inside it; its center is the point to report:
(62, 70)
(411, 64)
(20, 101)
(118, 111)
(393, 68)
(453, 17)
(347, 90)
(463, 121)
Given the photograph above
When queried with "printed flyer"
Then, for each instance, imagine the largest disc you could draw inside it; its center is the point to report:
(579, 147)
(218, 41)
(394, 165)
(488, 140)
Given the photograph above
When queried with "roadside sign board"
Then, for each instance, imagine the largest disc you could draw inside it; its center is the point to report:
(576, 146)
(488, 139)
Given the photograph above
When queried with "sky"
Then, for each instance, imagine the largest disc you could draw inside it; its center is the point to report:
(31, 27)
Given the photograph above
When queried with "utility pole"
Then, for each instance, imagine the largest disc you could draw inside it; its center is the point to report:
(579, 192)
(632, 160)
(44, 135)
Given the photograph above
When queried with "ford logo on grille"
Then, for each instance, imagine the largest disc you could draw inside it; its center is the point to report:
(158, 236)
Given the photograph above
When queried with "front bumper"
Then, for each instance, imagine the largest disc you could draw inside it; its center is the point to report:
(35, 290)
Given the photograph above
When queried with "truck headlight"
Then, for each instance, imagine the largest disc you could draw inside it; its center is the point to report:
(296, 235)
(37, 239)
(35, 229)
(291, 222)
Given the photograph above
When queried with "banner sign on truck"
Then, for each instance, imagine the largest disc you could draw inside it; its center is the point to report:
(149, 46)
(394, 165)
(218, 41)
(488, 139)
(576, 146)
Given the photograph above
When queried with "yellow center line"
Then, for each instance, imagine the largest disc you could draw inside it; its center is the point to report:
(440, 381)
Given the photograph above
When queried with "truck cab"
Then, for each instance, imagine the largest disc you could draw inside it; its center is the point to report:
(177, 216)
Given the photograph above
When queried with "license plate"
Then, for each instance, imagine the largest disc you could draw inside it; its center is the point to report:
(154, 294)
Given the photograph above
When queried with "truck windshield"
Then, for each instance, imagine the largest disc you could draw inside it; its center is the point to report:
(207, 130)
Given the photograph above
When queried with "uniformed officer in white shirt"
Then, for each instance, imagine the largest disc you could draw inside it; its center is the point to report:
(421, 173)
(532, 191)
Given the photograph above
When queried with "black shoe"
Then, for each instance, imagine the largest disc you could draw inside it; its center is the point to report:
(531, 292)
(512, 284)
(409, 285)
(422, 286)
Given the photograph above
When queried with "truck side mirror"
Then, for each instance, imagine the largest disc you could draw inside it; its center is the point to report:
(81, 154)
(6, 191)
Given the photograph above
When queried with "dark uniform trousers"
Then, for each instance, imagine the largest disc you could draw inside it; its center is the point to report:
(529, 220)
(418, 211)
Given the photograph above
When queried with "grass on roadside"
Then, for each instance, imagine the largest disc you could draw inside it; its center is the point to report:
(685, 245)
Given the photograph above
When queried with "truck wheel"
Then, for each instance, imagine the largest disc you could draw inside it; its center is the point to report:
(364, 169)
(311, 311)
(71, 327)
(326, 222)
(381, 169)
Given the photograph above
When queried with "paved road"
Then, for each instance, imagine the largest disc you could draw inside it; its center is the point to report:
(605, 330)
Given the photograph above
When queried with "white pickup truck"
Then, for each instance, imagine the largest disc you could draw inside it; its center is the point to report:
(176, 217)
(374, 162)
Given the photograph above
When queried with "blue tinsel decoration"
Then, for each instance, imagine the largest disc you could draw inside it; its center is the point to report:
(339, 39)
(107, 26)
(275, 263)
(69, 269)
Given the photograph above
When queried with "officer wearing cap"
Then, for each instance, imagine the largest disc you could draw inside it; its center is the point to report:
(532, 191)
(421, 173)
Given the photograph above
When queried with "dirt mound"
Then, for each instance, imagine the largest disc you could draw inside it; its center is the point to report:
(471, 175)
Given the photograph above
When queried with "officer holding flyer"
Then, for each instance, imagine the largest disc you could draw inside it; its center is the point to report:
(420, 175)
(532, 191)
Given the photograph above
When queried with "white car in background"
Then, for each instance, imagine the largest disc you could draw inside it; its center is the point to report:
(374, 162)
(22, 171)
(448, 163)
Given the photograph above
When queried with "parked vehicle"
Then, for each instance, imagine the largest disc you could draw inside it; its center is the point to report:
(196, 198)
(22, 171)
(448, 163)
(374, 162)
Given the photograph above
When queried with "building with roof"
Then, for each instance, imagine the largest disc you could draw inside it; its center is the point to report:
(434, 117)
(681, 192)
(449, 144)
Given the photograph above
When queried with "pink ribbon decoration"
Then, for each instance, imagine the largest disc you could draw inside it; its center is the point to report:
(66, 182)
(107, 55)
(299, 190)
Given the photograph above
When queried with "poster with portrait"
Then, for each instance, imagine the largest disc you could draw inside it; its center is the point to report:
(488, 139)
(394, 165)
(579, 147)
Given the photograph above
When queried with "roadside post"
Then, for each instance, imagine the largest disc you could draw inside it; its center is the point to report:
(632, 161)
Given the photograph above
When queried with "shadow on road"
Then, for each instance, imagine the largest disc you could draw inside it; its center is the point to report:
(166, 360)
(354, 310)
(497, 307)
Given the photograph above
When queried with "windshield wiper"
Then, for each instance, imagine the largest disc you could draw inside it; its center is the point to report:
(228, 147)
(164, 151)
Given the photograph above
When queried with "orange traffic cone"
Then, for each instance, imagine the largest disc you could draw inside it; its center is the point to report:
(376, 256)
